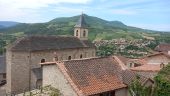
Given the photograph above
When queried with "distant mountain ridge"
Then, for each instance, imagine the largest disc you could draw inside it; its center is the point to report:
(98, 28)
(5, 24)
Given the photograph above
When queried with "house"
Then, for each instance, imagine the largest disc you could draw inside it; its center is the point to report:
(24, 55)
(2, 70)
(150, 65)
(156, 59)
(163, 47)
(147, 70)
(89, 77)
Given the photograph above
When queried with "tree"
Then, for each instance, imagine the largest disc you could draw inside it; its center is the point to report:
(105, 50)
(137, 89)
(163, 81)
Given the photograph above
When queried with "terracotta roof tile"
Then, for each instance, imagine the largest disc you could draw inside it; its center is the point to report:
(122, 61)
(147, 68)
(128, 76)
(95, 75)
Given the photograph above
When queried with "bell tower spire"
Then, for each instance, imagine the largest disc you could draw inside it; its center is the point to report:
(80, 29)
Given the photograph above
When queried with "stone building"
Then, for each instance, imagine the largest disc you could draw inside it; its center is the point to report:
(24, 55)
(163, 47)
(2, 69)
(89, 77)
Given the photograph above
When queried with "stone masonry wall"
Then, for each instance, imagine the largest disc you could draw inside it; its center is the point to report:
(53, 76)
(19, 71)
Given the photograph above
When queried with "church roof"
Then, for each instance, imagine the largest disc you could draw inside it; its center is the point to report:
(81, 22)
(36, 43)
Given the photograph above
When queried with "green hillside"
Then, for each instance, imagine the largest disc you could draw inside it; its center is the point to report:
(98, 28)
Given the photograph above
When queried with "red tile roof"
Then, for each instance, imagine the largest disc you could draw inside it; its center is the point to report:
(95, 75)
(122, 61)
(147, 68)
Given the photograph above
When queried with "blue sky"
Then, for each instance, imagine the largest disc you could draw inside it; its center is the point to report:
(149, 14)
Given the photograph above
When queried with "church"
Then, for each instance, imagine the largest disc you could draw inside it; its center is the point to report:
(23, 57)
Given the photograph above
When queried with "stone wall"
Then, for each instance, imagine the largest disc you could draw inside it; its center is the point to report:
(158, 59)
(53, 76)
(121, 92)
(20, 65)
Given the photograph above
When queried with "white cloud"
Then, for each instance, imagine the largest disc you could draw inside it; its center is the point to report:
(37, 3)
(18, 9)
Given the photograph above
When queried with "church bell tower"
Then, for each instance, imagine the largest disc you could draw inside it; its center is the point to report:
(80, 29)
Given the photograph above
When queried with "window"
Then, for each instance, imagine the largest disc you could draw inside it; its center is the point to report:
(81, 56)
(56, 58)
(4, 75)
(69, 57)
(77, 33)
(84, 33)
(42, 60)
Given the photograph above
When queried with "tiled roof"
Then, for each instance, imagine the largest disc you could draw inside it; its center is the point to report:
(2, 64)
(35, 43)
(81, 22)
(147, 68)
(164, 47)
(128, 76)
(122, 61)
(95, 75)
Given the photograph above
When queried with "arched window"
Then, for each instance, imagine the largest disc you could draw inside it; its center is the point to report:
(77, 33)
(42, 60)
(81, 56)
(84, 33)
(69, 57)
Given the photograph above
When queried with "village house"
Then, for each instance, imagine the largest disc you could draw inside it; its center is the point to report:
(163, 47)
(150, 65)
(148, 70)
(90, 77)
(24, 72)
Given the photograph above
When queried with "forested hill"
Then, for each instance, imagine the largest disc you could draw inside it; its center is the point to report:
(98, 28)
